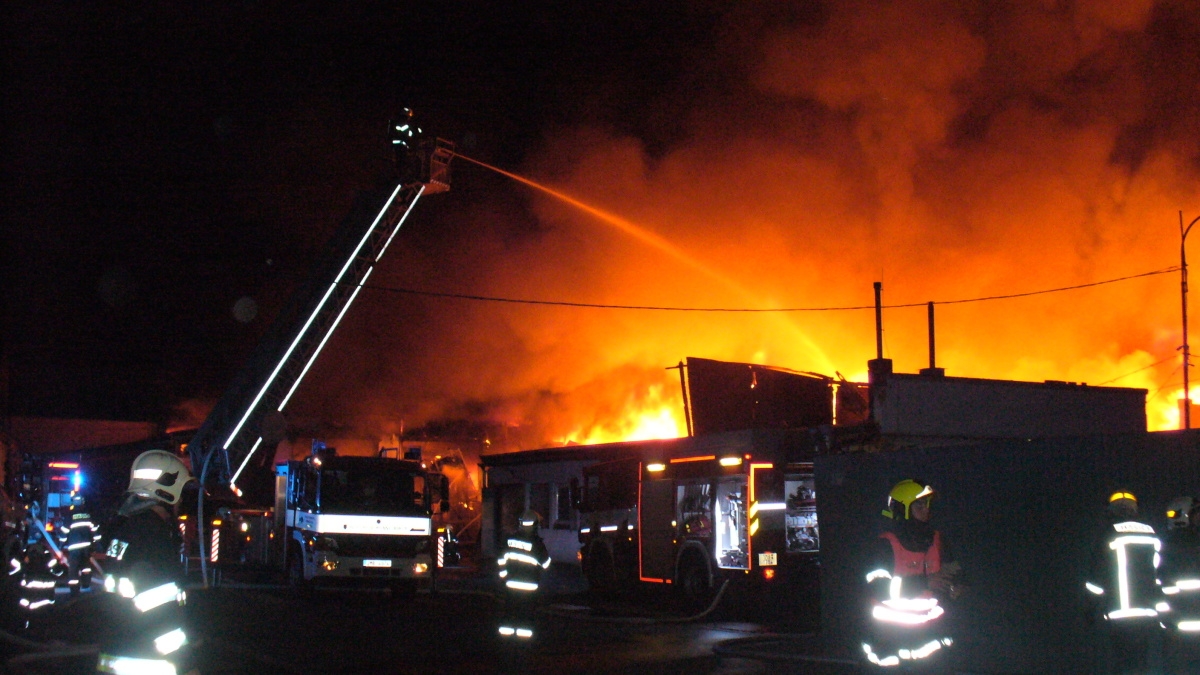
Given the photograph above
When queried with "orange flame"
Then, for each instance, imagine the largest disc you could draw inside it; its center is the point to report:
(656, 416)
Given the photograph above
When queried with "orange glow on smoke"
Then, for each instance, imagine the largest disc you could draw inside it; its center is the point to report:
(947, 154)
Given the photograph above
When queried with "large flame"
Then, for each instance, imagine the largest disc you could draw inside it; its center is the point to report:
(657, 416)
(946, 153)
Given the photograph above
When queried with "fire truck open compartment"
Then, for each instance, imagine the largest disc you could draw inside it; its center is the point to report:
(732, 543)
(800, 511)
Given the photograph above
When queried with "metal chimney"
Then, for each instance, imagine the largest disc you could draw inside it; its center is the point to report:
(932, 370)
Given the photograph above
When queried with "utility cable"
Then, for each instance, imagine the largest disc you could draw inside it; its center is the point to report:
(1164, 384)
(1135, 372)
(657, 308)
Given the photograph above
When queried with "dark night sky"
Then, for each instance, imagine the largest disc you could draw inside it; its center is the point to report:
(164, 160)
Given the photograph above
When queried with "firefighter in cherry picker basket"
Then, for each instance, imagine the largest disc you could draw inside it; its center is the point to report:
(522, 564)
(143, 572)
(911, 577)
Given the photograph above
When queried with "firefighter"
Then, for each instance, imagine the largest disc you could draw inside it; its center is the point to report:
(40, 571)
(911, 576)
(524, 560)
(143, 570)
(1124, 590)
(1180, 574)
(406, 137)
(76, 536)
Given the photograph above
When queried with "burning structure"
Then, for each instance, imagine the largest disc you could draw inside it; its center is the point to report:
(955, 153)
(779, 421)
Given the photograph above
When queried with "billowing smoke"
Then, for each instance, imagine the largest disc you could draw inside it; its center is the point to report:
(950, 150)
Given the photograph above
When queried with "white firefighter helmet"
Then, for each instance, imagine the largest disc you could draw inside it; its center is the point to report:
(530, 520)
(158, 475)
(1179, 512)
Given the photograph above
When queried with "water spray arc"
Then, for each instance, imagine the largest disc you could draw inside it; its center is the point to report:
(659, 243)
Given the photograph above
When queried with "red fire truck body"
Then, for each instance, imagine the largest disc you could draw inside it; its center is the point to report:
(696, 520)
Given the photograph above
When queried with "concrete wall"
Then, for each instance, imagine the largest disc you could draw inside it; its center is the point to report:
(1020, 515)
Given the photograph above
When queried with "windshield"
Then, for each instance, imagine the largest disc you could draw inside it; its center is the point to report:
(374, 489)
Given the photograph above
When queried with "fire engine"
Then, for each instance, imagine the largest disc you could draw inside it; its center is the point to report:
(361, 519)
(697, 519)
(356, 520)
(248, 421)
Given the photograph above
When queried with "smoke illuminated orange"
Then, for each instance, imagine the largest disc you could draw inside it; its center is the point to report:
(946, 154)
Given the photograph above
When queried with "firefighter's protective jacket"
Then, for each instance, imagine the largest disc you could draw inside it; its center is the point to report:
(907, 581)
(143, 567)
(40, 571)
(1180, 574)
(521, 565)
(1123, 581)
(78, 532)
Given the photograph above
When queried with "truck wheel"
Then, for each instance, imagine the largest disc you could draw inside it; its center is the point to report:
(693, 584)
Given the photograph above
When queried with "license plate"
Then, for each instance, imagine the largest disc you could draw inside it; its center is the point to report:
(768, 559)
(377, 563)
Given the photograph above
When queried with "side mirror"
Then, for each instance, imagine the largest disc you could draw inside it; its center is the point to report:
(445, 494)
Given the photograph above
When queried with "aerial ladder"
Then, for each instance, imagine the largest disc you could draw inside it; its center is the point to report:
(249, 414)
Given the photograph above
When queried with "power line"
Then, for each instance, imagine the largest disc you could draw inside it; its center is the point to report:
(656, 308)
(1166, 382)
(1135, 372)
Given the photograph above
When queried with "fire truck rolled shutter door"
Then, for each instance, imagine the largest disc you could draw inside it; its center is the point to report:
(657, 533)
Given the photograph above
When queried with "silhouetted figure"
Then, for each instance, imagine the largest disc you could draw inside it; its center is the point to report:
(1124, 590)
(1180, 574)
(524, 560)
(76, 536)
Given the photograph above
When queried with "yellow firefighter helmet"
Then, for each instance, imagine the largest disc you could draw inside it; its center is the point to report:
(903, 494)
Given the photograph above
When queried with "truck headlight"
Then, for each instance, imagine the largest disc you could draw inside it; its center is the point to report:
(420, 568)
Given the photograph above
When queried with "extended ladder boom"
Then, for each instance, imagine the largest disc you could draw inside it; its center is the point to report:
(234, 429)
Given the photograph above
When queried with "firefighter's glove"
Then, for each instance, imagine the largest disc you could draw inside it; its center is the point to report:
(948, 581)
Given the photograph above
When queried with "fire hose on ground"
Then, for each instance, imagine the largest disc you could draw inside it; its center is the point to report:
(716, 601)
(787, 648)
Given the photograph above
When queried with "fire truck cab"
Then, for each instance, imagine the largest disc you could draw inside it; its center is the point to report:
(364, 520)
(694, 521)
